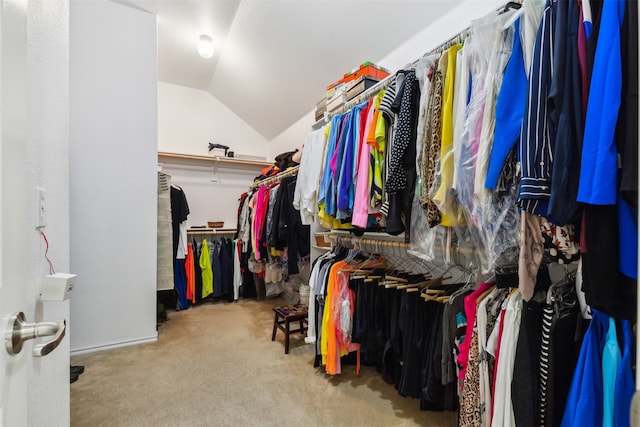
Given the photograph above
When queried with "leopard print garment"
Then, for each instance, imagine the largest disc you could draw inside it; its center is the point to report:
(433, 214)
(470, 400)
(426, 142)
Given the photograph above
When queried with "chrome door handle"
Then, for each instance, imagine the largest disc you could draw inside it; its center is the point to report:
(18, 331)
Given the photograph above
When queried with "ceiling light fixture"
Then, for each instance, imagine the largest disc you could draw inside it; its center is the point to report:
(205, 46)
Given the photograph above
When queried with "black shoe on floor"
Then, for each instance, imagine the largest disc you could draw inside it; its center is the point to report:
(77, 369)
(74, 377)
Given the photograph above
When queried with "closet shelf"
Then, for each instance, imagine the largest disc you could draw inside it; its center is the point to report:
(318, 124)
(213, 159)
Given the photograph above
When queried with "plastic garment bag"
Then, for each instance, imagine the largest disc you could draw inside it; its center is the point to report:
(491, 215)
(424, 240)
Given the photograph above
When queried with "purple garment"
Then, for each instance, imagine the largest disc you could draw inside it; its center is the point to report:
(582, 62)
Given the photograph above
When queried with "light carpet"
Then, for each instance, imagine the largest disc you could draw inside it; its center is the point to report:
(215, 365)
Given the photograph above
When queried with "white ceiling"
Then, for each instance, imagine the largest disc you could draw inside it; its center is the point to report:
(274, 58)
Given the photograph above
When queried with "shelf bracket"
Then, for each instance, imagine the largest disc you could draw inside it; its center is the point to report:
(214, 170)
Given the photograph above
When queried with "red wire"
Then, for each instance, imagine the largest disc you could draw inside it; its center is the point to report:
(46, 253)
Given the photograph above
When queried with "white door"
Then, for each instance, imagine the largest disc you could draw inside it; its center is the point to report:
(14, 212)
(13, 373)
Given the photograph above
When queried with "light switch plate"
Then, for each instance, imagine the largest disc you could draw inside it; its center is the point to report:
(41, 208)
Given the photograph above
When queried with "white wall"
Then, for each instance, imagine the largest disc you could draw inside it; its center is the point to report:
(47, 166)
(188, 119)
(440, 31)
(428, 39)
(208, 200)
(293, 137)
(113, 119)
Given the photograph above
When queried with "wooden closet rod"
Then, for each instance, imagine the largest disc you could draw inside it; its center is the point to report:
(211, 231)
(352, 241)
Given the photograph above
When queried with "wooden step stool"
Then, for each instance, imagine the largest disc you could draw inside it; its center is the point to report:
(284, 316)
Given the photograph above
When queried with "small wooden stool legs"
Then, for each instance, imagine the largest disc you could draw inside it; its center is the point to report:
(275, 327)
(283, 317)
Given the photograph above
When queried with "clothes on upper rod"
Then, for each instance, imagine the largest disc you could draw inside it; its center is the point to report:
(522, 116)
(522, 81)
(272, 239)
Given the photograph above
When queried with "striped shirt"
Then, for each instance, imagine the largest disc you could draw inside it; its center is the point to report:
(536, 141)
(387, 100)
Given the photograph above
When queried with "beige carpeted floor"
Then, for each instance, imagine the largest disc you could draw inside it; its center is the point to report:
(215, 365)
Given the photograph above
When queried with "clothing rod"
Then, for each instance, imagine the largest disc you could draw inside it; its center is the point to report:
(358, 241)
(211, 231)
(461, 257)
(267, 181)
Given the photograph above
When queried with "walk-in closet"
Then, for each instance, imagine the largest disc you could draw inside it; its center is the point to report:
(344, 213)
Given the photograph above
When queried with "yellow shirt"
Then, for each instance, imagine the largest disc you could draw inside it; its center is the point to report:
(442, 198)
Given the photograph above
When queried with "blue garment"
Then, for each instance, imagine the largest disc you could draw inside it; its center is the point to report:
(584, 402)
(509, 110)
(343, 170)
(226, 263)
(341, 149)
(565, 114)
(625, 386)
(346, 185)
(588, 29)
(610, 362)
(214, 251)
(332, 140)
(536, 141)
(330, 202)
(628, 238)
(598, 174)
(180, 282)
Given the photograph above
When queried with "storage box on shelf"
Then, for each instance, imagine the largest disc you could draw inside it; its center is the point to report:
(338, 99)
(351, 85)
(333, 87)
(321, 107)
(367, 69)
(356, 87)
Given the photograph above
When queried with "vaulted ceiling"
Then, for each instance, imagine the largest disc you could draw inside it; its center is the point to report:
(274, 58)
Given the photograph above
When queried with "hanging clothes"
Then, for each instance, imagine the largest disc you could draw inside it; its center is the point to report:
(442, 197)
(190, 275)
(226, 266)
(584, 404)
(165, 236)
(180, 279)
(207, 272)
(197, 271)
(214, 254)
(537, 139)
(598, 175)
(179, 214)
(237, 273)
(308, 177)
(402, 171)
